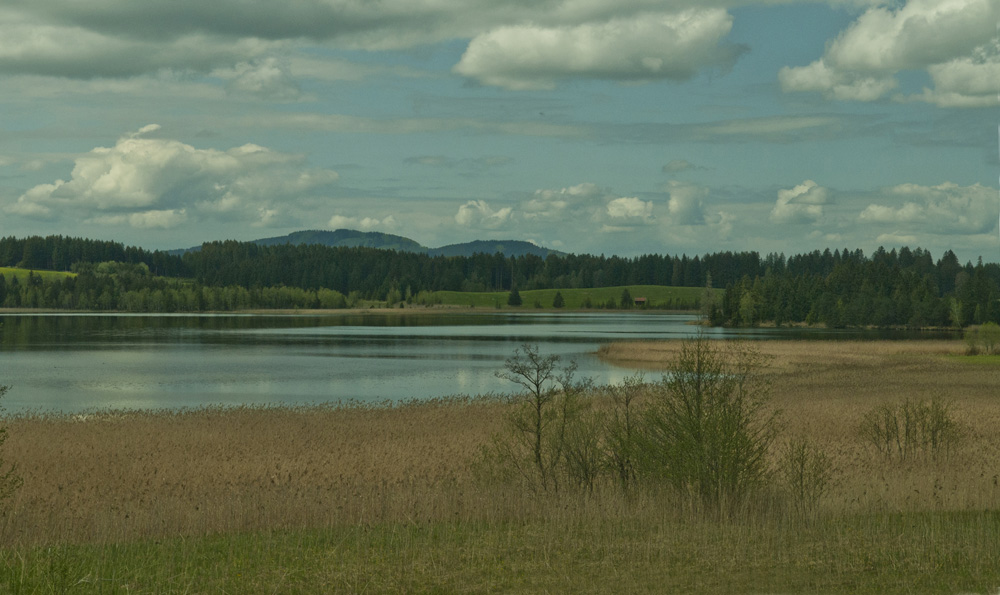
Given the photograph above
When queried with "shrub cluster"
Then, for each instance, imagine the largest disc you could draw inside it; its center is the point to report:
(705, 431)
(983, 339)
(910, 428)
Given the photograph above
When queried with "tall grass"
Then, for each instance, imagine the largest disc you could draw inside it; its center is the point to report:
(381, 499)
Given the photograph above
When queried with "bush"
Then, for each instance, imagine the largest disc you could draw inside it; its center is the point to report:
(709, 427)
(622, 428)
(983, 339)
(909, 428)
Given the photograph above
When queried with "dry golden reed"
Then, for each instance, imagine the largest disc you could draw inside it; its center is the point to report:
(128, 475)
(824, 388)
(117, 476)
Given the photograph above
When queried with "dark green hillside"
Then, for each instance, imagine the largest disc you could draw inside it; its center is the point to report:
(346, 238)
(508, 248)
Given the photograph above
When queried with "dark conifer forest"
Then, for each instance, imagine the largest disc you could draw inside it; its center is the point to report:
(840, 288)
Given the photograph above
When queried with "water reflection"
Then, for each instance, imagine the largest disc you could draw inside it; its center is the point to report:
(83, 361)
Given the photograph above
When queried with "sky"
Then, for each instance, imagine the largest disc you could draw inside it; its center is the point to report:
(588, 126)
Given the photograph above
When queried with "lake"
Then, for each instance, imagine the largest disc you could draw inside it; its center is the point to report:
(81, 362)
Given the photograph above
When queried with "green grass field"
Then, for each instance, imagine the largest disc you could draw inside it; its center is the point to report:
(659, 297)
(22, 274)
(882, 553)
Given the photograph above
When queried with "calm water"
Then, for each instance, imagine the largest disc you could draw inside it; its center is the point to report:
(81, 362)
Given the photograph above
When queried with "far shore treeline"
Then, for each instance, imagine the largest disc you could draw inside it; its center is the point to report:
(839, 288)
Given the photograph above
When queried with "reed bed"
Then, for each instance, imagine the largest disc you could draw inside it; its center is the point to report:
(110, 476)
(824, 389)
(386, 498)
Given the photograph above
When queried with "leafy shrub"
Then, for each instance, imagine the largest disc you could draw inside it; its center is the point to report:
(709, 428)
(983, 339)
(622, 429)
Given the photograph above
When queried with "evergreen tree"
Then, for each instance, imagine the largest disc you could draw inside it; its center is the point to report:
(558, 302)
(627, 302)
(514, 298)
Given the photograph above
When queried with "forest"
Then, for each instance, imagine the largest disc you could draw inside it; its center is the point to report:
(840, 288)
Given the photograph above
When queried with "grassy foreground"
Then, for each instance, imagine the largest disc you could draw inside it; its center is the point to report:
(385, 499)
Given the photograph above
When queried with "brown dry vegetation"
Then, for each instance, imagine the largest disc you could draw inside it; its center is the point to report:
(823, 390)
(138, 475)
(389, 499)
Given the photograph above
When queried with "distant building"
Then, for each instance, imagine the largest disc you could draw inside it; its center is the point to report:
(641, 301)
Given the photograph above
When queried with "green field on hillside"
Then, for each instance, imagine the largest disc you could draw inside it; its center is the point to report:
(22, 274)
(658, 297)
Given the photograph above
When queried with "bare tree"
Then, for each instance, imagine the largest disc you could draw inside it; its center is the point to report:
(542, 415)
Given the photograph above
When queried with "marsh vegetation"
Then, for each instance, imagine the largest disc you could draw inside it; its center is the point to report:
(390, 498)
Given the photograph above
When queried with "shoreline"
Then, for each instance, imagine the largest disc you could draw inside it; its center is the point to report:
(415, 310)
(348, 496)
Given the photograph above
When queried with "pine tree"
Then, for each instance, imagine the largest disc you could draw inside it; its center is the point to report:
(514, 299)
(558, 302)
(626, 301)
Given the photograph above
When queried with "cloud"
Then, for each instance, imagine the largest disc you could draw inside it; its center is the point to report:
(801, 204)
(676, 166)
(363, 125)
(156, 182)
(48, 45)
(478, 214)
(686, 203)
(162, 219)
(362, 223)
(637, 48)
(636, 41)
(952, 40)
(630, 208)
(268, 78)
(896, 239)
(970, 81)
(469, 163)
(552, 205)
(945, 209)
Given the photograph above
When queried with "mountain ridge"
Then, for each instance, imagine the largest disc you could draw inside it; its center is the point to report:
(350, 238)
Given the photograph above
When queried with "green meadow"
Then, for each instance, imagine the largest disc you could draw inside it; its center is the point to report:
(22, 274)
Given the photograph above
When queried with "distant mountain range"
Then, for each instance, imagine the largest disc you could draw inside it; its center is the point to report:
(349, 238)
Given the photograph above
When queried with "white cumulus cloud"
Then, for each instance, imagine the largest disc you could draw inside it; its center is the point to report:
(641, 47)
(952, 39)
(630, 208)
(362, 223)
(549, 204)
(479, 214)
(155, 182)
(686, 203)
(801, 204)
(943, 209)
